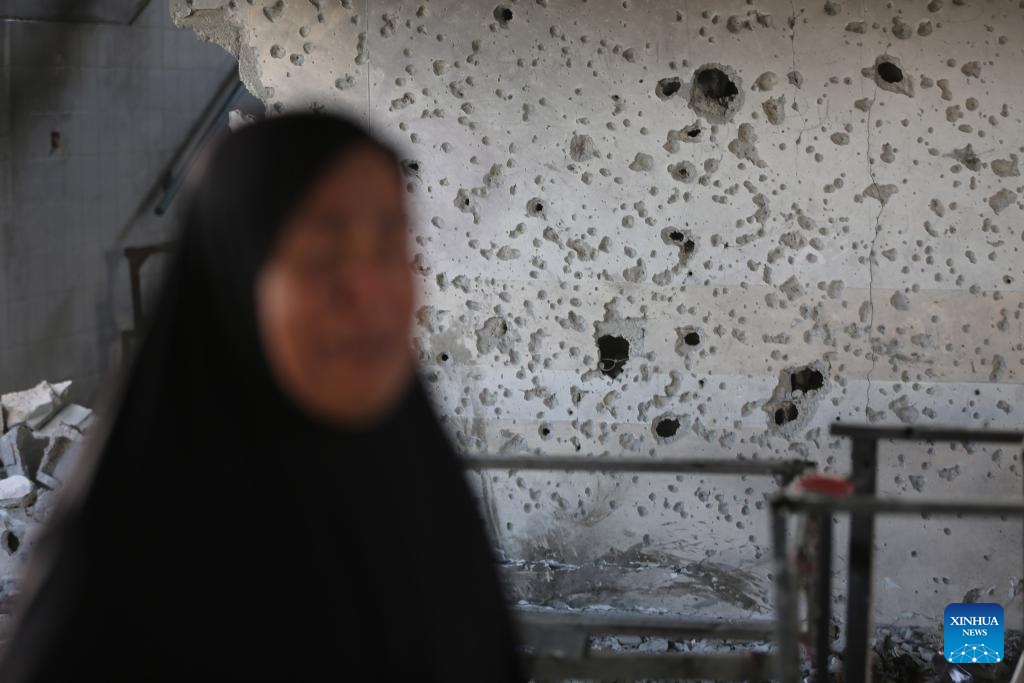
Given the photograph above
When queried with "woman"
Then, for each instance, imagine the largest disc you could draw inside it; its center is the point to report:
(271, 496)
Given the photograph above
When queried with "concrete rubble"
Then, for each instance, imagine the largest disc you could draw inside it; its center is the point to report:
(33, 407)
(41, 437)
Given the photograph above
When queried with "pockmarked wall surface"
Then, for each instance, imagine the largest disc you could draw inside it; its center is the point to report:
(697, 229)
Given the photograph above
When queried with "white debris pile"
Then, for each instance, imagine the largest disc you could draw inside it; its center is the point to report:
(41, 436)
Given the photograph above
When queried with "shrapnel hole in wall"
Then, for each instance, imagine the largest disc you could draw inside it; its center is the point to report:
(614, 352)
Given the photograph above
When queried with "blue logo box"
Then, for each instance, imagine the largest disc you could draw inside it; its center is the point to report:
(973, 632)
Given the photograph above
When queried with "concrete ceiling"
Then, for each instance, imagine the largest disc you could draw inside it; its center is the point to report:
(73, 11)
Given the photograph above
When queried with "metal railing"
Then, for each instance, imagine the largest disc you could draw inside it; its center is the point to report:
(862, 508)
(559, 639)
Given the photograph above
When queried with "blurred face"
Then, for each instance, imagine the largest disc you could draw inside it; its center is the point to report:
(335, 300)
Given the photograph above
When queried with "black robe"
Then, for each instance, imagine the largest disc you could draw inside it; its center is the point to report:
(216, 532)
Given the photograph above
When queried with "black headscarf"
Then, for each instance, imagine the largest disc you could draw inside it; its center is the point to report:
(216, 531)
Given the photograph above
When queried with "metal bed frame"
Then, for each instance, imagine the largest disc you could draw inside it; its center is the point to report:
(557, 641)
(862, 508)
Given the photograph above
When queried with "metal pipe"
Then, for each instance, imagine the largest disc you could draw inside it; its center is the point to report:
(859, 600)
(785, 601)
(864, 465)
(188, 156)
(584, 463)
(823, 596)
(924, 434)
(143, 4)
(626, 623)
(899, 506)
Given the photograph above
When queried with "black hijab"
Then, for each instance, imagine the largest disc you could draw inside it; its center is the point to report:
(216, 531)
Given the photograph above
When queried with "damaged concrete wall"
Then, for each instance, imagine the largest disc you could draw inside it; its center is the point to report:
(90, 116)
(708, 231)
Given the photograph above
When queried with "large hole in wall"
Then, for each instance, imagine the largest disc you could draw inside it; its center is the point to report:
(786, 412)
(503, 15)
(715, 93)
(666, 427)
(613, 352)
(667, 87)
(683, 239)
(889, 72)
(688, 339)
(685, 242)
(715, 85)
(806, 379)
(796, 396)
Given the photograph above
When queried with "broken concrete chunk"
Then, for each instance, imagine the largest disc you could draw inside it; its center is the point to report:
(71, 421)
(16, 491)
(58, 459)
(34, 407)
(21, 451)
(42, 508)
(9, 455)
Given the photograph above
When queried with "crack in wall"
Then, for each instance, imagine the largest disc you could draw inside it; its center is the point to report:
(871, 254)
(871, 267)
